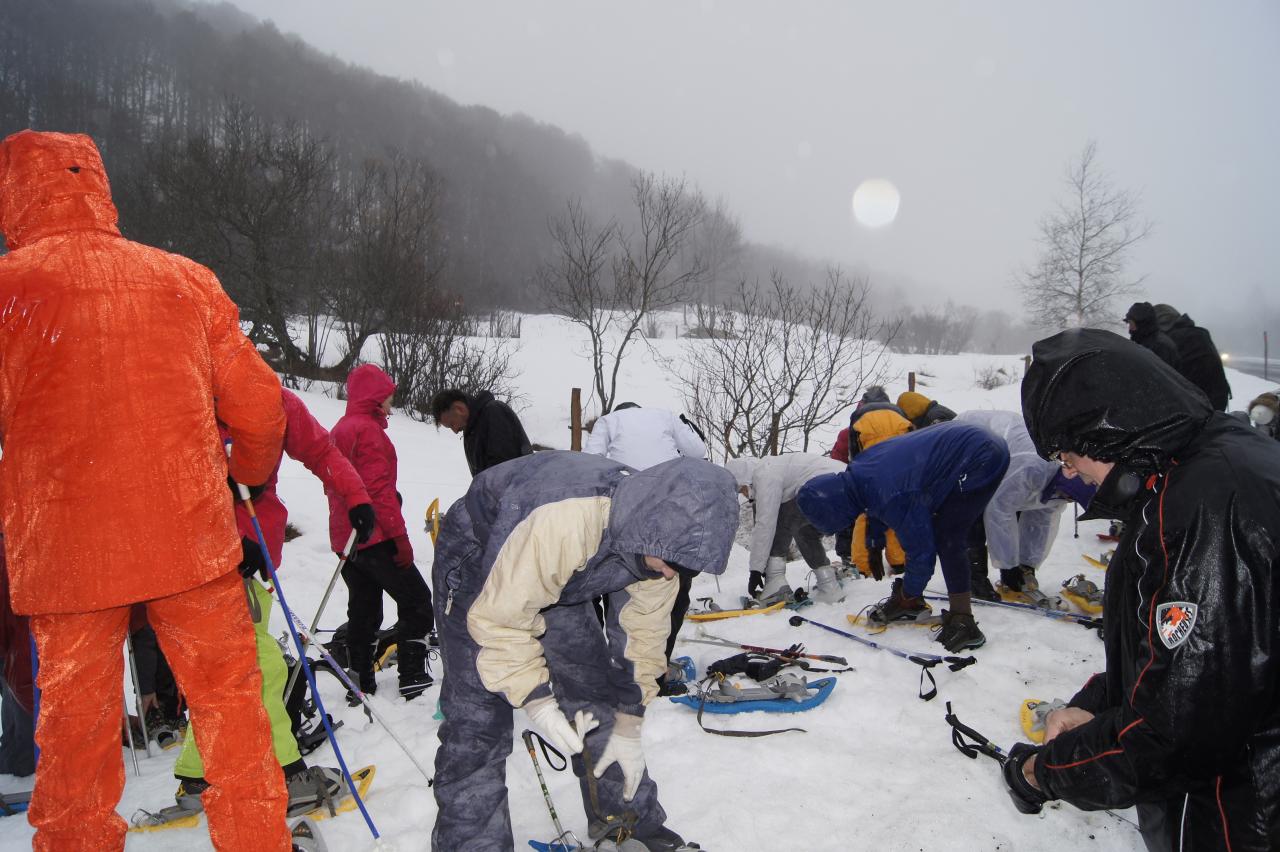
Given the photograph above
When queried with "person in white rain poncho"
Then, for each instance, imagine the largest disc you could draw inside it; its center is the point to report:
(1021, 521)
(772, 483)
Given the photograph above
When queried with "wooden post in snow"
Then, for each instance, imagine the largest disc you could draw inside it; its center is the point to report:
(1026, 364)
(911, 380)
(575, 419)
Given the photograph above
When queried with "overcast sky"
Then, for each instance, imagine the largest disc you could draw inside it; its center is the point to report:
(972, 109)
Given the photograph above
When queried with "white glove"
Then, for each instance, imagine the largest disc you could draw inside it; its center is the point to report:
(625, 749)
(564, 735)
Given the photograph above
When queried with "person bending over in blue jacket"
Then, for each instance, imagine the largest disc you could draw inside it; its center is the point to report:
(519, 560)
(930, 487)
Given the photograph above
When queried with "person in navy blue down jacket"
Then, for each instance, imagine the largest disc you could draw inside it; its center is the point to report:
(519, 560)
(930, 487)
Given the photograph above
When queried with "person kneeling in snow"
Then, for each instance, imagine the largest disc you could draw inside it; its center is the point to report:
(520, 558)
(1185, 721)
(931, 487)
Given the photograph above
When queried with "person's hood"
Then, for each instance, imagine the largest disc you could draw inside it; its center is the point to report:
(1092, 392)
(1142, 315)
(876, 426)
(683, 511)
(830, 502)
(1166, 316)
(367, 386)
(874, 393)
(913, 404)
(742, 468)
(52, 183)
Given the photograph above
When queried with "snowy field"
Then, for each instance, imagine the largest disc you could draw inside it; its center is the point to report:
(876, 768)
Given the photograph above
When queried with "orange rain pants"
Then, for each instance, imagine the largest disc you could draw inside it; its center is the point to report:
(207, 637)
(893, 552)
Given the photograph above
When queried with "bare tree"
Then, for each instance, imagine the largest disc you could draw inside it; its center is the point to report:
(936, 330)
(1085, 246)
(781, 361)
(611, 279)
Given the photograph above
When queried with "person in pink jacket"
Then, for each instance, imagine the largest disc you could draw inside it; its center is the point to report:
(383, 563)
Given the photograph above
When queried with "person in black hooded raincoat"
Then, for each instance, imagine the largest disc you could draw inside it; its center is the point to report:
(519, 559)
(1185, 721)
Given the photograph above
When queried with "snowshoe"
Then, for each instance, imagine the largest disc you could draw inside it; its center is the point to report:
(1035, 597)
(799, 600)
(1033, 713)
(306, 837)
(898, 607)
(314, 787)
(162, 731)
(786, 693)
(681, 670)
(846, 571)
(364, 780)
(923, 618)
(14, 803)
(718, 614)
(782, 595)
(1102, 562)
(959, 632)
(1083, 593)
(184, 814)
(540, 846)
(662, 840)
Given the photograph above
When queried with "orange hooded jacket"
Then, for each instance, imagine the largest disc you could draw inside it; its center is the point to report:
(114, 359)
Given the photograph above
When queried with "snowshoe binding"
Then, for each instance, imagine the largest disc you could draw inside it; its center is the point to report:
(898, 607)
(306, 837)
(1019, 585)
(1033, 713)
(313, 788)
(1084, 593)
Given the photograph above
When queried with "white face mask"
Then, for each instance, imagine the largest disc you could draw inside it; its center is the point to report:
(1261, 415)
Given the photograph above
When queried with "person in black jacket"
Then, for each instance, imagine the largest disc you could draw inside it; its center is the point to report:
(1145, 331)
(1185, 721)
(491, 431)
(1198, 358)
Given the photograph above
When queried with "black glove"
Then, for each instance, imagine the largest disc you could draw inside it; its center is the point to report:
(875, 559)
(1012, 578)
(362, 521)
(255, 491)
(1026, 799)
(252, 561)
(755, 583)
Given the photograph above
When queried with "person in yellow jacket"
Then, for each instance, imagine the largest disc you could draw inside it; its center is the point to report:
(922, 411)
(867, 430)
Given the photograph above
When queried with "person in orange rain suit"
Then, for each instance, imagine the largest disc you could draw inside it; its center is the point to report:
(116, 361)
(867, 429)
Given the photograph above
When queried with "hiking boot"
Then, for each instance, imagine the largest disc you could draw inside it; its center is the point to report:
(189, 792)
(361, 671)
(898, 607)
(897, 570)
(775, 583)
(827, 590)
(982, 588)
(314, 787)
(959, 632)
(163, 731)
(1011, 579)
(414, 677)
(1029, 581)
(665, 840)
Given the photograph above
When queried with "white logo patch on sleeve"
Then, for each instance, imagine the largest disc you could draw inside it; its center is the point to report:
(1174, 622)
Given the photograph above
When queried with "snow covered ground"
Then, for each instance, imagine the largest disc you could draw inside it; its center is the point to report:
(875, 770)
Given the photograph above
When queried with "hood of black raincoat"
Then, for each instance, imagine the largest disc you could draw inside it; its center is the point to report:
(684, 511)
(1092, 392)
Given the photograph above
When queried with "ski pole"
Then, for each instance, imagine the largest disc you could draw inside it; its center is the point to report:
(133, 750)
(247, 499)
(561, 834)
(324, 601)
(35, 694)
(794, 652)
(1087, 621)
(924, 660)
(368, 706)
(137, 696)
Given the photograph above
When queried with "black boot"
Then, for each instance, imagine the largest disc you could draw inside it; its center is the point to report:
(1011, 578)
(979, 581)
(959, 632)
(411, 655)
(361, 671)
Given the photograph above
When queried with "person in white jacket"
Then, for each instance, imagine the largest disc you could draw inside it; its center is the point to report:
(772, 483)
(643, 437)
(1021, 521)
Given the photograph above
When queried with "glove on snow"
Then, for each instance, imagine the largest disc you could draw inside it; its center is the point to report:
(875, 558)
(362, 521)
(565, 735)
(625, 749)
(755, 582)
(1026, 799)
(252, 562)
(404, 551)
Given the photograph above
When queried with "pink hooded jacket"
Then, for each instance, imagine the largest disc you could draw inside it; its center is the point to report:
(361, 436)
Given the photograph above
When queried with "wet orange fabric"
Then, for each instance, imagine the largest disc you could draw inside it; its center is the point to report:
(207, 637)
(116, 360)
(872, 428)
(112, 354)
